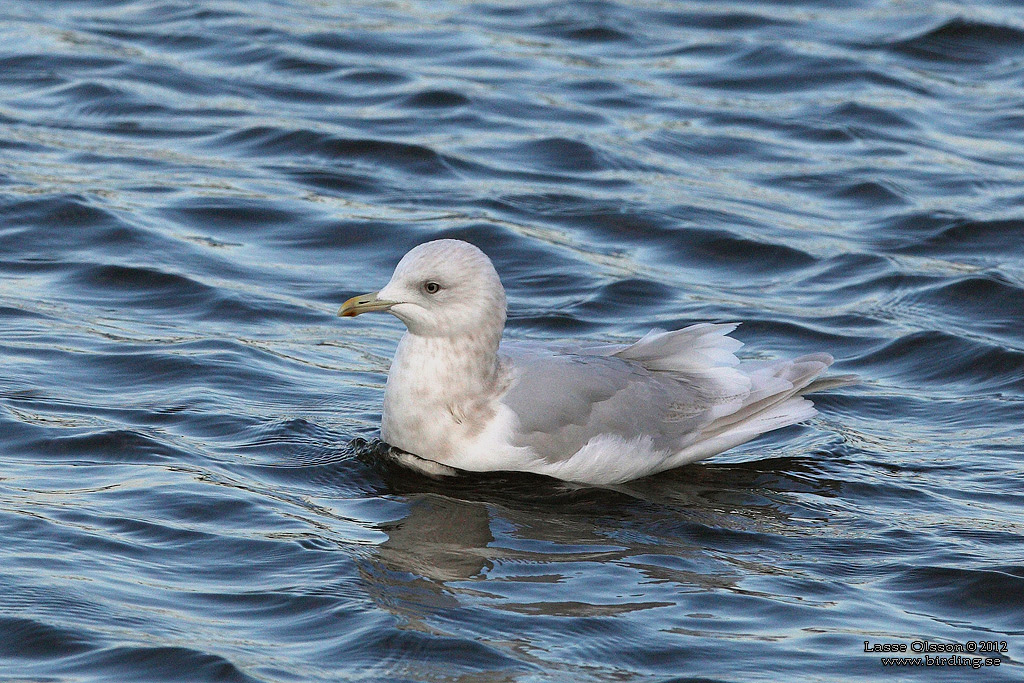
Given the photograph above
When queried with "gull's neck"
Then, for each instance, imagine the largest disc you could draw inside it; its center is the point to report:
(460, 365)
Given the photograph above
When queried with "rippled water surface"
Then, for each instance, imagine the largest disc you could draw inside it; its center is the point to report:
(190, 485)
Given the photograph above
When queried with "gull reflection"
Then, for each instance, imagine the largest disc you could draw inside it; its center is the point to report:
(442, 539)
(531, 545)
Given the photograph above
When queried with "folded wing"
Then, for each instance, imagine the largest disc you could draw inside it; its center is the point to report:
(684, 393)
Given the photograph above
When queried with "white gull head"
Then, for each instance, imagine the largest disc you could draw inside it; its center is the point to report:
(445, 288)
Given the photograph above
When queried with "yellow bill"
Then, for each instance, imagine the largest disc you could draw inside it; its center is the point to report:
(364, 303)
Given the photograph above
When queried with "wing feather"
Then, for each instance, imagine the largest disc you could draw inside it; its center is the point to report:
(686, 391)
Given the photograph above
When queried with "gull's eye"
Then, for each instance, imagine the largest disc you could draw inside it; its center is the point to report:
(431, 287)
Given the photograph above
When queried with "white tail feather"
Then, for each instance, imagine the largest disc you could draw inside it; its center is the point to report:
(787, 413)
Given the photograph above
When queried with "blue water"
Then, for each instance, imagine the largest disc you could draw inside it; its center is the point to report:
(190, 483)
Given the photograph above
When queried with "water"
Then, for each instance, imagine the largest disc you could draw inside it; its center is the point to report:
(189, 483)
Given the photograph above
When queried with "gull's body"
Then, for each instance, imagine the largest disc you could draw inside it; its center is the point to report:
(458, 397)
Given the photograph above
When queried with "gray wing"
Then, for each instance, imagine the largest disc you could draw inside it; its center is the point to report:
(564, 399)
(685, 389)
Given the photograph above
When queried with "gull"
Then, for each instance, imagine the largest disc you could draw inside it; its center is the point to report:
(460, 398)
